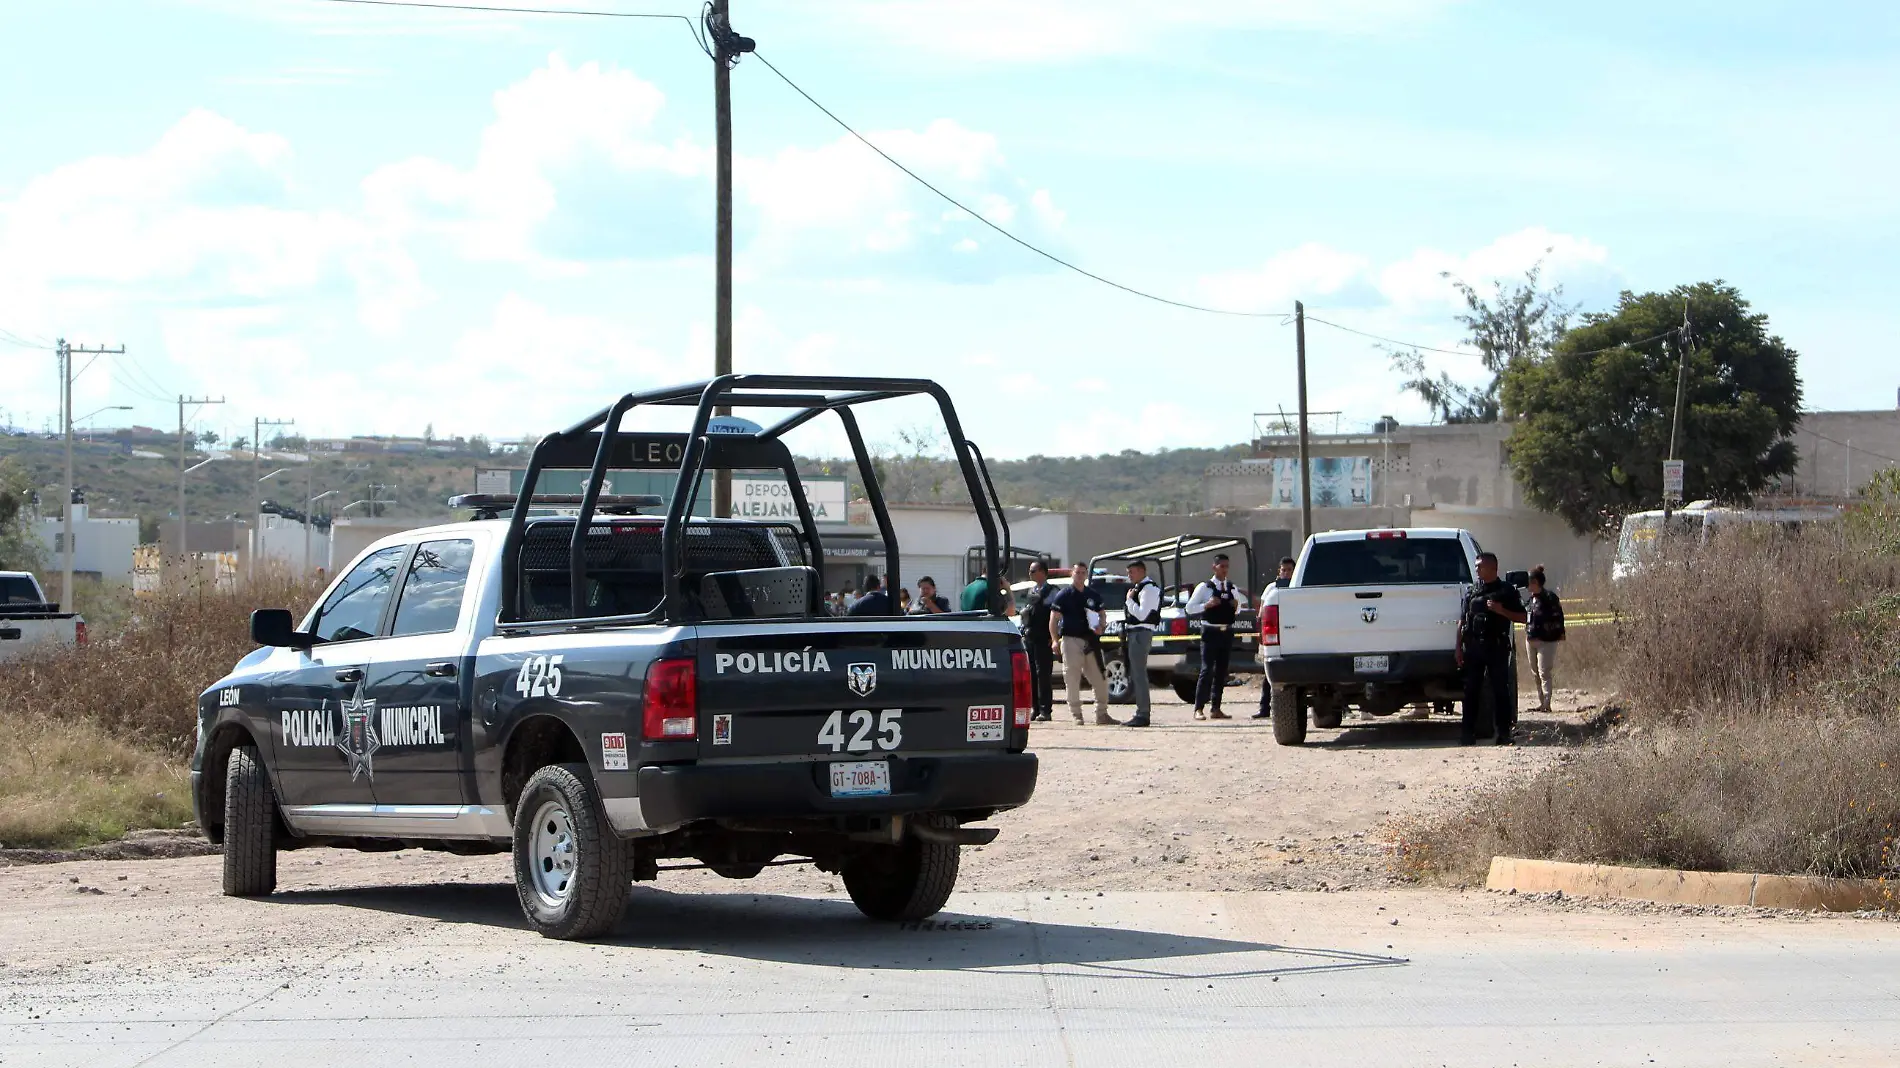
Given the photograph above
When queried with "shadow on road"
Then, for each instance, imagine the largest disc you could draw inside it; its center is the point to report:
(831, 933)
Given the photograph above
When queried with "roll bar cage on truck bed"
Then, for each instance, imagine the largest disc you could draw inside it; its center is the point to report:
(599, 445)
(1165, 551)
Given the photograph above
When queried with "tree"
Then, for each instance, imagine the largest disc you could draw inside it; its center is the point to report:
(1593, 418)
(20, 548)
(240, 443)
(478, 445)
(1520, 322)
(209, 437)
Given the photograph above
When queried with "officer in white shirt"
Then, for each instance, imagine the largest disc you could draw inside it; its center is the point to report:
(1140, 615)
(1217, 601)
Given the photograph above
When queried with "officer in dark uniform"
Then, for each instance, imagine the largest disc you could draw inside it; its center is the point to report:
(1036, 640)
(1217, 601)
(1484, 653)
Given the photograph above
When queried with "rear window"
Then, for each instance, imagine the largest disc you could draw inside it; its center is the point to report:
(1386, 562)
(623, 563)
(15, 589)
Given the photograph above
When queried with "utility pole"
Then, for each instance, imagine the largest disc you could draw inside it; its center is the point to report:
(727, 48)
(184, 526)
(66, 376)
(257, 454)
(1675, 425)
(1306, 469)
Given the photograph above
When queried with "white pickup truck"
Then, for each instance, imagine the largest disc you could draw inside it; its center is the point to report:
(1370, 619)
(27, 620)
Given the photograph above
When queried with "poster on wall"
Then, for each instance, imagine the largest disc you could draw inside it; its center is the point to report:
(1338, 482)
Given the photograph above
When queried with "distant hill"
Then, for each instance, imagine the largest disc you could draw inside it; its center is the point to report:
(141, 479)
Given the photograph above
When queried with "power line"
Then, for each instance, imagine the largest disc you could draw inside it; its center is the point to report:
(1311, 318)
(1845, 445)
(974, 214)
(515, 10)
(12, 338)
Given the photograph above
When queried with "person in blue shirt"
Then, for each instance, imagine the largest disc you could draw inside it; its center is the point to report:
(875, 602)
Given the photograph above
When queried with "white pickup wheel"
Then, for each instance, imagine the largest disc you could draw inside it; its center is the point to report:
(1289, 716)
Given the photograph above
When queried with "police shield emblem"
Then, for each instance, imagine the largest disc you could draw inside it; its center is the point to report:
(861, 679)
(1369, 613)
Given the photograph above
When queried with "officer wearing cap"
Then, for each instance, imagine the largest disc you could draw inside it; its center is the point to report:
(1217, 601)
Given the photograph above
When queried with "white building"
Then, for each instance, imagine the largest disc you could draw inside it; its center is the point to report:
(102, 548)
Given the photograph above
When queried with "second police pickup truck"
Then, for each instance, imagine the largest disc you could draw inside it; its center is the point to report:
(1370, 619)
(604, 691)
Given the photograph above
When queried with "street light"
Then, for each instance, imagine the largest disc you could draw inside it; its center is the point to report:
(184, 525)
(107, 408)
(257, 530)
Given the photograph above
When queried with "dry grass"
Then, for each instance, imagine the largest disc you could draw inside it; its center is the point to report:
(1761, 676)
(97, 736)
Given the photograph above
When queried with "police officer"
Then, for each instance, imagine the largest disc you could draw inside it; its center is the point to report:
(1216, 601)
(1141, 613)
(1037, 640)
(1484, 653)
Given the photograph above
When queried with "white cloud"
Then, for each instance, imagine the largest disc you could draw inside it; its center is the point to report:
(1305, 273)
(1419, 281)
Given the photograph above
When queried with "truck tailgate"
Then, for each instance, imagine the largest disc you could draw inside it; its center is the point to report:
(878, 689)
(1368, 619)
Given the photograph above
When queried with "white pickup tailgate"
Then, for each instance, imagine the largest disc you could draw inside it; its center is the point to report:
(1390, 619)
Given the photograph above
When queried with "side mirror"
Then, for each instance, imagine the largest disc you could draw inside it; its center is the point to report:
(1520, 579)
(274, 627)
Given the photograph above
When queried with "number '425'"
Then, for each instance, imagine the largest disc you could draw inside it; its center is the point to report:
(540, 676)
(888, 725)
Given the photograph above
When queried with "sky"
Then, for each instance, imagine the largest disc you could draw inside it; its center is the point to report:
(377, 220)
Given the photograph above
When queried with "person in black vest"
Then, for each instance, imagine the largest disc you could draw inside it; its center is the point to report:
(1217, 601)
(1140, 615)
(1484, 653)
(1036, 639)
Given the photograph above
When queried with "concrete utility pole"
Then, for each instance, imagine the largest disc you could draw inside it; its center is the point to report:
(184, 526)
(727, 48)
(1306, 468)
(66, 376)
(257, 454)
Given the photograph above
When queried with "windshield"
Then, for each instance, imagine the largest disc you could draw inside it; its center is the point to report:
(1386, 562)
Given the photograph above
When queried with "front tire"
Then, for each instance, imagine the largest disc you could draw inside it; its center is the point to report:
(250, 826)
(907, 881)
(572, 873)
(1289, 716)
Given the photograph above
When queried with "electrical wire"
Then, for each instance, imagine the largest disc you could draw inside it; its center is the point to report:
(514, 10)
(1845, 445)
(12, 338)
(974, 214)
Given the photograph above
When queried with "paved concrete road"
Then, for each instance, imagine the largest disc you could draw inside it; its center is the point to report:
(444, 974)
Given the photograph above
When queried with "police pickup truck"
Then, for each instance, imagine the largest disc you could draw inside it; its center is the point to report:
(1370, 619)
(603, 691)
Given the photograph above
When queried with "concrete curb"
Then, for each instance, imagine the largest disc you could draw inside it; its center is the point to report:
(1689, 887)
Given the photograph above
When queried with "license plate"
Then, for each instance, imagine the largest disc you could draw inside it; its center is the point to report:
(861, 778)
(1371, 665)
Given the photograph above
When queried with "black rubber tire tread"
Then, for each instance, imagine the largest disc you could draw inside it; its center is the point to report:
(603, 872)
(1289, 717)
(1184, 689)
(1328, 713)
(250, 826)
(908, 881)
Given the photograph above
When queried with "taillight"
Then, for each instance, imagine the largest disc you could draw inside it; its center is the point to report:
(1022, 694)
(79, 632)
(1382, 535)
(1270, 625)
(1177, 626)
(670, 709)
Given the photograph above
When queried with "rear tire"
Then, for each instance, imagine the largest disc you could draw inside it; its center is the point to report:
(907, 881)
(1184, 688)
(572, 873)
(1289, 717)
(250, 826)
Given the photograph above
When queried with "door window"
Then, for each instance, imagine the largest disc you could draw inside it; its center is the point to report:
(432, 592)
(355, 608)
